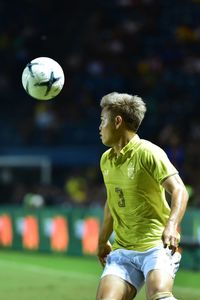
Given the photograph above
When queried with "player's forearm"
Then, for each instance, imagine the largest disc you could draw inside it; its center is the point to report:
(179, 199)
(105, 232)
(107, 226)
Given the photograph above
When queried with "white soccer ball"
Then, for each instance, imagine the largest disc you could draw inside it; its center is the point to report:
(43, 78)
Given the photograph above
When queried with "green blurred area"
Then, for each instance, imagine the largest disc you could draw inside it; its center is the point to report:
(30, 276)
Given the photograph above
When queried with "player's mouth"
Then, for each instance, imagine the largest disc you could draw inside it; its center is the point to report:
(101, 136)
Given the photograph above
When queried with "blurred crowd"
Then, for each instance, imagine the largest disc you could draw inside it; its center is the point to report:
(146, 47)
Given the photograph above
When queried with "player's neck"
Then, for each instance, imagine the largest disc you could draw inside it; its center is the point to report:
(123, 141)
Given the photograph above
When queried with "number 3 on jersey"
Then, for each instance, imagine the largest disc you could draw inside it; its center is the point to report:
(121, 201)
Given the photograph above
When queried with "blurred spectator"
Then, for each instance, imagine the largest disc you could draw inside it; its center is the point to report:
(171, 142)
(33, 201)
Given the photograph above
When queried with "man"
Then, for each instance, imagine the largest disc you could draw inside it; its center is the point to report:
(136, 174)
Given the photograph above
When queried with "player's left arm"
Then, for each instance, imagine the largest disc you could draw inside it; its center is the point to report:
(179, 198)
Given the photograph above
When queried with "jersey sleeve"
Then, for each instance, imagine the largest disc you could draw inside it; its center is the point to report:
(102, 161)
(158, 164)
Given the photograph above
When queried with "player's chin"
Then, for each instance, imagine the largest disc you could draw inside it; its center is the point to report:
(106, 143)
(102, 139)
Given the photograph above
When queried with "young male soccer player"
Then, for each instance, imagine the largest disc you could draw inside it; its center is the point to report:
(137, 173)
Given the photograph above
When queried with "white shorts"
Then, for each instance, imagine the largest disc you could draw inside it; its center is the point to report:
(133, 266)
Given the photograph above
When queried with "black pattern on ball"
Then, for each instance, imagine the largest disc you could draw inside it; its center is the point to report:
(29, 66)
(48, 83)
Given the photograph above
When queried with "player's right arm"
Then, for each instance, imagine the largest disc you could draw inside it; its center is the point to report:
(104, 246)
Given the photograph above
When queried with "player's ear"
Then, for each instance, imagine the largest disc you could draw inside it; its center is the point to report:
(118, 121)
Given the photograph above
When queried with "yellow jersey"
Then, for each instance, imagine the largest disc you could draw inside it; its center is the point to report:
(135, 195)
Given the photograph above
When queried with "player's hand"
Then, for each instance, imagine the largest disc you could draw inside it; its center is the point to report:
(170, 237)
(103, 250)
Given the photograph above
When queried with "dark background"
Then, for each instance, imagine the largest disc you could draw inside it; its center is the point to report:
(149, 48)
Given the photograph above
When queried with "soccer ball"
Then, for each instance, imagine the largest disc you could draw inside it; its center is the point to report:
(43, 78)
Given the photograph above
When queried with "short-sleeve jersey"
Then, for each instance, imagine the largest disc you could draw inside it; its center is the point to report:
(135, 195)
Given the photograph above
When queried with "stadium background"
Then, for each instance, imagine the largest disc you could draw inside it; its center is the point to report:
(49, 151)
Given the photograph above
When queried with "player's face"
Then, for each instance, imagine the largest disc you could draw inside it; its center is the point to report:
(107, 129)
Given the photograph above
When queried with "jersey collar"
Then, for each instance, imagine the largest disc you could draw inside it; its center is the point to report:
(132, 144)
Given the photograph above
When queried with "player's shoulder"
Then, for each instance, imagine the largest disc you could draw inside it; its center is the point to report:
(148, 145)
(106, 154)
(149, 148)
(105, 158)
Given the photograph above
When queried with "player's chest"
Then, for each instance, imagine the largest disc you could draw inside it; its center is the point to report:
(126, 171)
